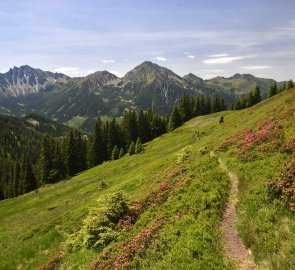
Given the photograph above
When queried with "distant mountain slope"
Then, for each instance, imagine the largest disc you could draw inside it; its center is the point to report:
(146, 86)
(26, 80)
(23, 135)
(241, 84)
(156, 87)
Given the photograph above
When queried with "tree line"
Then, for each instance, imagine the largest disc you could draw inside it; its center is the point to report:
(187, 108)
(63, 157)
(255, 95)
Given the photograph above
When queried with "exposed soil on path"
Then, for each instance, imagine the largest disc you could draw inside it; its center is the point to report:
(234, 247)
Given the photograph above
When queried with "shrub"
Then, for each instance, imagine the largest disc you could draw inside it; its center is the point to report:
(99, 227)
(283, 188)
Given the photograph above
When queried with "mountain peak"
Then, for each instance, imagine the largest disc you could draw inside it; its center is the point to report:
(25, 80)
(193, 79)
(242, 76)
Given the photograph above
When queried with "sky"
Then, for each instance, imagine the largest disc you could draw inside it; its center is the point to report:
(206, 37)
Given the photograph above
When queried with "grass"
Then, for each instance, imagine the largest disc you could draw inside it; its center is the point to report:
(183, 216)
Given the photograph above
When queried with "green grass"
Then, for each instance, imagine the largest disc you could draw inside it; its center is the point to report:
(34, 226)
(76, 121)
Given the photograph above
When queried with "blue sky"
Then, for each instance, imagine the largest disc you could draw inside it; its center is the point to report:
(208, 38)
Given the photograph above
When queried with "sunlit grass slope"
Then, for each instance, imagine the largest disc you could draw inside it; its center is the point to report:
(180, 193)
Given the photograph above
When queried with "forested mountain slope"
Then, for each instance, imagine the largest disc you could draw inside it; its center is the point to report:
(148, 85)
(174, 195)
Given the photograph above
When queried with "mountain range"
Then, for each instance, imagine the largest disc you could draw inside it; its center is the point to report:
(27, 90)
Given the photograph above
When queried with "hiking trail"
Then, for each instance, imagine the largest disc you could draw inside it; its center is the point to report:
(234, 247)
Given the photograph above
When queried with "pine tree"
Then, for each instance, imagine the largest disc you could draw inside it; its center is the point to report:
(241, 103)
(97, 148)
(290, 84)
(16, 178)
(131, 150)
(251, 100)
(74, 153)
(207, 106)
(197, 107)
(273, 90)
(202, 105)
(257, 97)
(185, 108)
(122, 153)
(45, 159)
(26, 177)
(138, 146)
(222, 104)
(130, 127)
(216, 106)
(115, 153)
(69, 154)
(175, 119)
(144, 127)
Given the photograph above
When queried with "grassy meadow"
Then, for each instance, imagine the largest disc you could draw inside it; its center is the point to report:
(179, 193)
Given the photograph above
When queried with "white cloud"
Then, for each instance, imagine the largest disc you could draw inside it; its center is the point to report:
(108, 61)
(256, 67)
(191, 56)
(225, 60)
(161, 58)
(70, 71)
(219, 55)
(186, 53)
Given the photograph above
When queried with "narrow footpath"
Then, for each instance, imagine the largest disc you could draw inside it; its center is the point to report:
(234, 247)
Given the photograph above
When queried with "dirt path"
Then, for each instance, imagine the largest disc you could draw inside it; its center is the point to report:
(235, 249)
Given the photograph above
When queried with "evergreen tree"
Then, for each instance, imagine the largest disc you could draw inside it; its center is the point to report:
(16, 179)
(251, 100)
(207, 106)
(197, 107)
(185, 108)
(222, 104)
(26, 177)
(45, 159)
(74, 152)
(97, 147)
(175, 119)
(115, 153)
(131, 150)
(69, 154)
(144, 127)
(273, 90)
(138, 146)
(290, 84)
(130, 127)
(122, 153)
(241, 103)
(257, 97)
(202, 105)
(216, 106)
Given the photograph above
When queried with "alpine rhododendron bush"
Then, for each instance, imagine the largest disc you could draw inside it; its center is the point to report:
(283, 187)
(183, 199)
(249, 144)
(261, 152)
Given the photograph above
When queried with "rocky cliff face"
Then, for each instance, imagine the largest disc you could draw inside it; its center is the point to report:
(26, 80)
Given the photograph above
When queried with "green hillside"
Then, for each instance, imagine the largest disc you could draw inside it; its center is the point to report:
(242, 84)
(176, 194)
